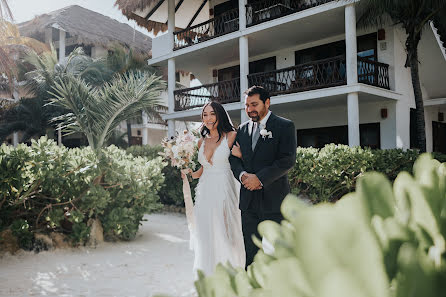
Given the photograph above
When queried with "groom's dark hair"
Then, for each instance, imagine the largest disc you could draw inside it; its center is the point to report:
(263, 94)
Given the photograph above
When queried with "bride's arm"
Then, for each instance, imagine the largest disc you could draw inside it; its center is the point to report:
(233, 145)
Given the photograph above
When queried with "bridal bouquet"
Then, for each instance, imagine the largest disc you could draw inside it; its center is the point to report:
(180, 150)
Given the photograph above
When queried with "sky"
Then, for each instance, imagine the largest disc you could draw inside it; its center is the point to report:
(25, 10)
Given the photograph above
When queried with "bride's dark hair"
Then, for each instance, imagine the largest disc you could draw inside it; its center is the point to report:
(223, 123)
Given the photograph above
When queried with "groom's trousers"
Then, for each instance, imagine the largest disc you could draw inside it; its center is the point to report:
(250, 221)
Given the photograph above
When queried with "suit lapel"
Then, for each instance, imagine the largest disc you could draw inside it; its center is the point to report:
(267, 127)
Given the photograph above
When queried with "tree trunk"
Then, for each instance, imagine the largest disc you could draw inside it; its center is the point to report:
(129, 131)
(412, 49)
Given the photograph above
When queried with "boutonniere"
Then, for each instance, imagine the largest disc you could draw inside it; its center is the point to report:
(266, 133)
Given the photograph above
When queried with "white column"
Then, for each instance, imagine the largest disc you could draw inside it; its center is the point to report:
(16, 96)
(352, 75)
(15, 139)
(59, 137)
(62, 35)
(145, 130)
(171, 97)
(429, 115)
(353, 119)
(171, 23)
(350, 44)
(244, 71)
(170, 128)
(242, 14)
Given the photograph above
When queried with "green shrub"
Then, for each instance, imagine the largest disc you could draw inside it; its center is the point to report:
(58, 189)
(379, 241)
(20, 229)
(171, 192)
(329, 173)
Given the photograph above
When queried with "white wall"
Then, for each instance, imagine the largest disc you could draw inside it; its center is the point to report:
(337, 116)
(160, 46)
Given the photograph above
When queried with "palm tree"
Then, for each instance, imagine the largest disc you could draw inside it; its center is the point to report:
(122, 60)
(28, 116)
(12, 48)
(413, 16)
(33, 116)
(96, 112)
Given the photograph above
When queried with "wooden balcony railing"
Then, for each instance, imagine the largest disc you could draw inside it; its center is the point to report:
(320, 74)
(223, 24)
(373, 73)
(265, 10)
(309, 76)
(222, 92)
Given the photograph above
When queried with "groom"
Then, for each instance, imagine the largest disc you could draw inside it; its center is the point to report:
(268, 146)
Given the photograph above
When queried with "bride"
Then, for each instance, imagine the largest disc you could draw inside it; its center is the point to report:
(217, 236)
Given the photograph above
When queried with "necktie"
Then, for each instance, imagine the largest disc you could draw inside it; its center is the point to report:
(255, 135)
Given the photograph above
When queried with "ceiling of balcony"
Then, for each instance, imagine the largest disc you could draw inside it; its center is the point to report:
(432, 67)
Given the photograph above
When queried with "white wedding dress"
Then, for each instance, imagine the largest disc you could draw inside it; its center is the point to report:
(217, 236)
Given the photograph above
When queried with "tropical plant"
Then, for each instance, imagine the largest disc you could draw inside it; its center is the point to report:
(12, 47)
(413, 16)
(50, 188)
(29, 116)
(33, 116)
(96, 112)
(380, 241)
(121, 60)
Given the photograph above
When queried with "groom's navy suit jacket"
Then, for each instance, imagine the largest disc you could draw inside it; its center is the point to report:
(271, 160)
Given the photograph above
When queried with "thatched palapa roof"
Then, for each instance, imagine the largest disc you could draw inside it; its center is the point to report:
(89, 28)
(152, 14)
(128, 8)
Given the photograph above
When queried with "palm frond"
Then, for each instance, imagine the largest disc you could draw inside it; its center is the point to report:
(98, 111)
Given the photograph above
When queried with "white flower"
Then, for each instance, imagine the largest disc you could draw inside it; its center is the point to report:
(265, 133)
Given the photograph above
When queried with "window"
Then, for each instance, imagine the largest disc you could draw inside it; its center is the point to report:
(319, 137)
(177, 76)
(264, 65)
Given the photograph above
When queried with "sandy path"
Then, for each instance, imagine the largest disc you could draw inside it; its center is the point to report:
(157, 261)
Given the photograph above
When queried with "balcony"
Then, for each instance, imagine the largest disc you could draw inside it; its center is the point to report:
(222, 92)
(223, 24)
(319, 74)
(266, 10)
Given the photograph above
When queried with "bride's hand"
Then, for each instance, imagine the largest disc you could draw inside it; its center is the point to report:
(185, 171)
(236, 151)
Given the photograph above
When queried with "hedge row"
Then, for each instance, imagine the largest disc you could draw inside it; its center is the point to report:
(320, 174)
(47, 188)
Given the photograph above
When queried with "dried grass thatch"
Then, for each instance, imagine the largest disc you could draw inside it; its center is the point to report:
(128, 7)
(88, 27)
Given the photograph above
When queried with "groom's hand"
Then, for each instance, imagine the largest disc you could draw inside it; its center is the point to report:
(251, 182)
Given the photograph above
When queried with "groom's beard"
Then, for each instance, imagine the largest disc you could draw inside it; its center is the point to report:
(255, 116)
